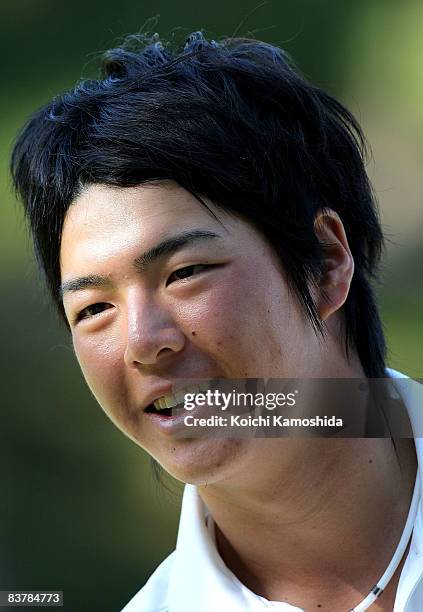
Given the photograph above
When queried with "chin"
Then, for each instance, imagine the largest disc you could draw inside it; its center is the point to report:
(201, 461)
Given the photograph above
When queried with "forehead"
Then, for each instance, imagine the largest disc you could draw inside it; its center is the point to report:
(148, 206)
(105, 220)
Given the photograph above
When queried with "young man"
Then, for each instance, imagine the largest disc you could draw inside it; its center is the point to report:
(207, 215)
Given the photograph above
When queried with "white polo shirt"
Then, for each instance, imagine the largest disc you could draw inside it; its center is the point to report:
(194, 577)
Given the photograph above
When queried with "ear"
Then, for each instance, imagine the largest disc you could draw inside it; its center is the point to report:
(338, 264)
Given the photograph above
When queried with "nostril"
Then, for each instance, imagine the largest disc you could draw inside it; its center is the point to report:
(164, 350)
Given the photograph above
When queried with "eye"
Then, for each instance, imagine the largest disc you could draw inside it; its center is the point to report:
(92, 310)
(186, 272)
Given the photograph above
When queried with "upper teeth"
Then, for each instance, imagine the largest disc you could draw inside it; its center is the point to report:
(173, 399)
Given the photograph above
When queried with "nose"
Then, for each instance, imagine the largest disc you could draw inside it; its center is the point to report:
(151, 332)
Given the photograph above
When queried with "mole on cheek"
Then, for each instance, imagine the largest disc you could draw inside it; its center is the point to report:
(193, 333)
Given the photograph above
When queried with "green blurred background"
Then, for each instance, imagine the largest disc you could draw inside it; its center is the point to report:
(79, 508)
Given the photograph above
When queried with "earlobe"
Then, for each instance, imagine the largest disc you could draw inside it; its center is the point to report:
(338, 263)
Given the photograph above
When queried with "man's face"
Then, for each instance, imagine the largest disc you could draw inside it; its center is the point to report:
(212, 302)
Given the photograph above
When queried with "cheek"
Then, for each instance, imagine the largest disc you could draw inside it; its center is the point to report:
(100, 363)
(212, 314)
(238, 323)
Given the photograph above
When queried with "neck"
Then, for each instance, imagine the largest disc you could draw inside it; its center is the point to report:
(290, 532)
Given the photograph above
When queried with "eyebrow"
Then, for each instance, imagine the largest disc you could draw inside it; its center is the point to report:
(141, 262)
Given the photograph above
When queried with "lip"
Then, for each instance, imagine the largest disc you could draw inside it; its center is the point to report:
(168, 425)
(174, 426)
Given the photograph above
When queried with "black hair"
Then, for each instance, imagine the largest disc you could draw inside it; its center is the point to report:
(232, 121)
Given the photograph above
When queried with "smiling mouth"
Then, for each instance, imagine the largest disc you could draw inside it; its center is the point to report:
(169, 404)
